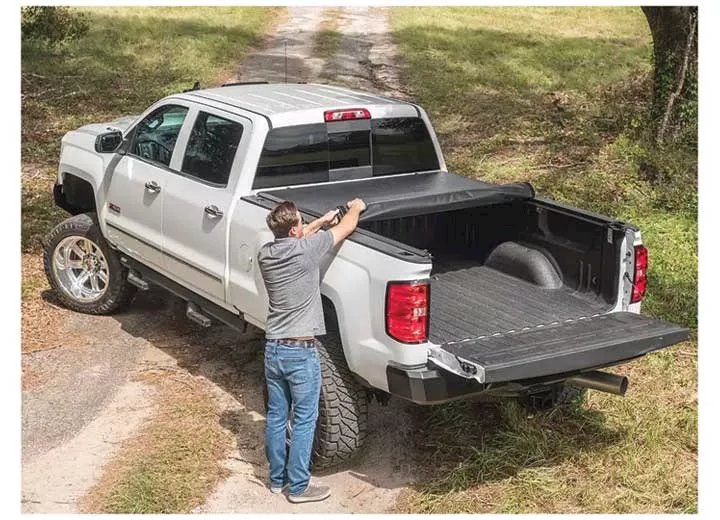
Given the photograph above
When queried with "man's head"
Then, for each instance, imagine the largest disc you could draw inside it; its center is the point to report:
(285, 221)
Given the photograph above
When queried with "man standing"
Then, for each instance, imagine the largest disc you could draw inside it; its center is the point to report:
(290, 267)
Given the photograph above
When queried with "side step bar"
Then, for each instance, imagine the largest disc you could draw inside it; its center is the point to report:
(193, 313)
(135, 279)
(199, 309)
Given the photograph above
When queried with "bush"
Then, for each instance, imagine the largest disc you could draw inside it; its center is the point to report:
(52, 25)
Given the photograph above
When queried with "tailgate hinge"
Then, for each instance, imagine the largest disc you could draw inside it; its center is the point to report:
(456, 365)
(628, 266)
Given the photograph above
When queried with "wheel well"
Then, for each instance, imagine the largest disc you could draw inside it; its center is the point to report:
(332, 326)
(331, 321)
(75, 195)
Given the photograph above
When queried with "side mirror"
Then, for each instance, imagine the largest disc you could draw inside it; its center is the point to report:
(108, 142)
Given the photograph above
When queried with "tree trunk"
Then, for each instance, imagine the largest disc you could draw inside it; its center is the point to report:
(674, 32)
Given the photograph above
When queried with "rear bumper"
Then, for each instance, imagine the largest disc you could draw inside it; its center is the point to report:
(432, 385)
(429, 385)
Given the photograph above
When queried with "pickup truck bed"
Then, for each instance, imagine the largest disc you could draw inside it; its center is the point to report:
(479, 301)
(520, 288)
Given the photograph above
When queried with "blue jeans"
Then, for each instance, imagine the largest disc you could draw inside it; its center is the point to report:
(293, 378)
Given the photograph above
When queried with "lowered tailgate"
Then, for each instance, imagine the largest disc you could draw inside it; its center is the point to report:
(575, 345)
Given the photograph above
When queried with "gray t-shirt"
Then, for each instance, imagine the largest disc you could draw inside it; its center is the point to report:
(290, 268)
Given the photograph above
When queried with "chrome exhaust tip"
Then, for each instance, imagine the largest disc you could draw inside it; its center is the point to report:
(601, 381)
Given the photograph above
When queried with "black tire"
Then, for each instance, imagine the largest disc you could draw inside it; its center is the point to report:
(343, 409)
(559, 395)
(118, 293)
(342, 421)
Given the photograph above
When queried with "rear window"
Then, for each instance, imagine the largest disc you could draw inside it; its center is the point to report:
(402, 145)
(349, 149)
(307, 154)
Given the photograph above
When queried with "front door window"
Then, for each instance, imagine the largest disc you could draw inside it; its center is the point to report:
(155, 136)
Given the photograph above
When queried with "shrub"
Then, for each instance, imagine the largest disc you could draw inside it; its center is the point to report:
(52, 25)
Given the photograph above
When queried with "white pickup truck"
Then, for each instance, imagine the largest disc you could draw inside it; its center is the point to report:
(451, 288)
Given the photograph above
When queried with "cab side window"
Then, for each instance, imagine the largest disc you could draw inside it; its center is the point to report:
(293, 155)
(211, 148)
(155, 136)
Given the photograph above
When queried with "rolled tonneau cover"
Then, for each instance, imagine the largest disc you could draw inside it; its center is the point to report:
(396, 196)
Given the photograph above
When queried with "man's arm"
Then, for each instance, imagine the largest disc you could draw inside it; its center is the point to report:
(316, 224)
(349, 222)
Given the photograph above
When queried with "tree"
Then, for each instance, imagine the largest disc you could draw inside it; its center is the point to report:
(674, 33)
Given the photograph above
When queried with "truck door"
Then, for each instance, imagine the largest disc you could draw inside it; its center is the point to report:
(198, 200)
(136, 185)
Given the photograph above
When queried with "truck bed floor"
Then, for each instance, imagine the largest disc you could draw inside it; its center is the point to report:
(475, 301)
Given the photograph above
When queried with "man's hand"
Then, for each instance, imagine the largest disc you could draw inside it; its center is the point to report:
(329, 217)
(357, 203)
(349, 222)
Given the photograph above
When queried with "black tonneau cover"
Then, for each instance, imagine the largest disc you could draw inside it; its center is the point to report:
(396, 196)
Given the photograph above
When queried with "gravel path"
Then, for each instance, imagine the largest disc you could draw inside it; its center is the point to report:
(78, 380)
(56, 481)
(368, 59)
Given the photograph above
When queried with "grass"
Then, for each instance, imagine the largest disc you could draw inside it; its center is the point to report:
(174, 462)
(328, 39)
(41, 319)
(131, 57)
(557, 97)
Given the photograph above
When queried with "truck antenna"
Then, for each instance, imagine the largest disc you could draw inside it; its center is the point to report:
(285, 43)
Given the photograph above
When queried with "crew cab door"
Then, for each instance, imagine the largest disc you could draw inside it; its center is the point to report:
(136, 185)
(199, 199)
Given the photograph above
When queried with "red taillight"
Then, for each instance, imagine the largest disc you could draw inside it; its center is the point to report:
(407, 309)
(346, 114)
(640, 278)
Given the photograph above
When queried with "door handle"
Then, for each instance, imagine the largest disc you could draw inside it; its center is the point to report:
(152, 187)
(212, 211)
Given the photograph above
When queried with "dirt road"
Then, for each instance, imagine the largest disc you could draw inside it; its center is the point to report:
(86, 403)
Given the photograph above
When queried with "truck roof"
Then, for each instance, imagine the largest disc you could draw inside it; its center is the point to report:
(295, 103)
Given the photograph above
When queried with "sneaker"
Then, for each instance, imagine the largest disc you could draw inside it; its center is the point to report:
(312, 493)
(277, 490)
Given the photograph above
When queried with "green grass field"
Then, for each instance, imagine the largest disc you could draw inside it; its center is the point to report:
(556, 96)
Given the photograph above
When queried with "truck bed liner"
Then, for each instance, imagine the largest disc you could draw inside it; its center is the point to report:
(579, 345)
(477, 301)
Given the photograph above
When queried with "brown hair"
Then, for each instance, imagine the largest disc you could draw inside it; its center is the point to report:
(282, 218)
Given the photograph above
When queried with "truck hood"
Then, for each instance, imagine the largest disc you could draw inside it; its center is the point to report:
(98, 128)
